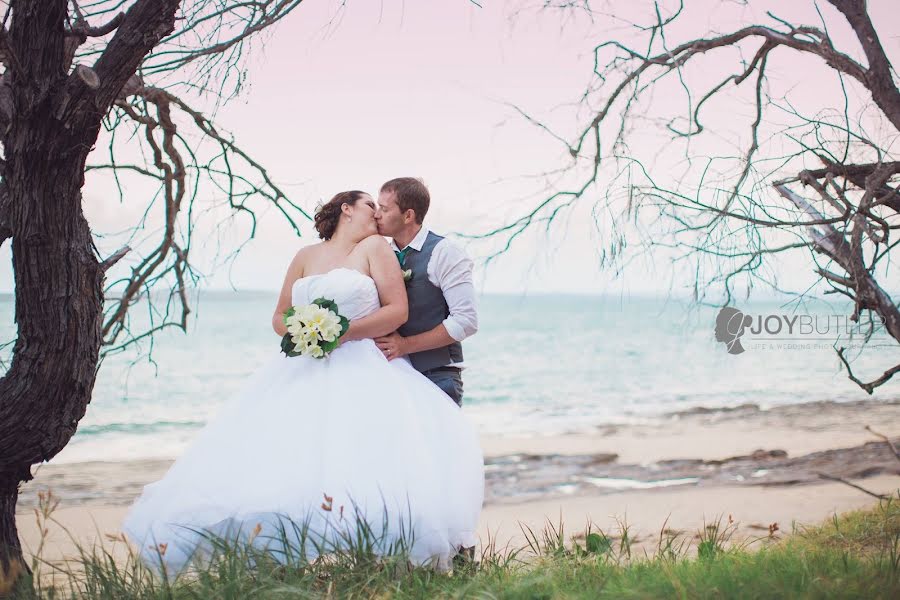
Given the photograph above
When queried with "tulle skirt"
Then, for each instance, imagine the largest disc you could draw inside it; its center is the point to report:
(311, 454)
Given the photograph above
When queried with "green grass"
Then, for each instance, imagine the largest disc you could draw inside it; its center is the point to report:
(855, 555)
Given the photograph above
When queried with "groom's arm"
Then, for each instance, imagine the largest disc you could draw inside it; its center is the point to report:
(435, 338)
(451, 270)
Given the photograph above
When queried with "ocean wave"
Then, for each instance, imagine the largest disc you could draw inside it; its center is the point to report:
(137, 428)
(634, 484)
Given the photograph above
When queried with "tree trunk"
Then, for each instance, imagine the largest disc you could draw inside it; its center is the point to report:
(11, 564)
(58, 278)
(58, 305)
(58, 309)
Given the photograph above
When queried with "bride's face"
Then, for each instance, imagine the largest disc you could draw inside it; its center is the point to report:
(362, 217)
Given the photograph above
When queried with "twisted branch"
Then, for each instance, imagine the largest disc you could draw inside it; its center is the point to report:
(727, 220)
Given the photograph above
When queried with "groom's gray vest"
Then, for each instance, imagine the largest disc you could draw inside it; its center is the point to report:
(427, 308)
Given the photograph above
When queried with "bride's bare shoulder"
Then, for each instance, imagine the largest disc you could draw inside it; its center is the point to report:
(374, 243)
(376, 249)
(310, 250)
(302, 257)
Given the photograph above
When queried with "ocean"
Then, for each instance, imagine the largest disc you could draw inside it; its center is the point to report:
(539, 365)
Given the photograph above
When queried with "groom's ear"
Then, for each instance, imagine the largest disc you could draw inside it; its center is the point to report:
(409, 216)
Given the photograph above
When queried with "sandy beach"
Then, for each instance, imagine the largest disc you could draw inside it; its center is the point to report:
(683, 470)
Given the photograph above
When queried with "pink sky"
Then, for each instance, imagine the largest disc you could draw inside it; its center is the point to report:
(419, 88)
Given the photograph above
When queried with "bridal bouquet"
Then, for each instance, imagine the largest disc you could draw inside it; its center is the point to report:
(313, 329)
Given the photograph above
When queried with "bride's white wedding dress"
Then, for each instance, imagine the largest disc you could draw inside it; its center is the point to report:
(322, 442)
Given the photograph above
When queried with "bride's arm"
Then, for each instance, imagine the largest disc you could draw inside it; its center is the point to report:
(294, 272)
(385, 270)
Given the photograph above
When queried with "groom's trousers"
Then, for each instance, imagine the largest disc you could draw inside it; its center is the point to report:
(448, 379)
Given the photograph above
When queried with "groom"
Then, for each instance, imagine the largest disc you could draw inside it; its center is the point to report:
(440, 289)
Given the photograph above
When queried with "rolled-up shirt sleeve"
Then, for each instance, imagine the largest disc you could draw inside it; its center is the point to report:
(450, 269)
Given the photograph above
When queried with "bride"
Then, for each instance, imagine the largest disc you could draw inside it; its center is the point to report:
(313, 451)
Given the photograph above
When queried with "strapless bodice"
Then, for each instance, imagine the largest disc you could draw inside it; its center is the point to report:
(354, 293)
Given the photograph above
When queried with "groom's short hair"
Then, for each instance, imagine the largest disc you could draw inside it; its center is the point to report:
(411, 193)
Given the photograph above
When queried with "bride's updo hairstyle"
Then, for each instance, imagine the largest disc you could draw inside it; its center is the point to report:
(328, 215)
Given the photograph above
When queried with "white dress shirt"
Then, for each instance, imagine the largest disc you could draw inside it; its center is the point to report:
(450, 269)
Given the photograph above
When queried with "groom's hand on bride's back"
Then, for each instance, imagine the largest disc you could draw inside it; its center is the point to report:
(392, 345)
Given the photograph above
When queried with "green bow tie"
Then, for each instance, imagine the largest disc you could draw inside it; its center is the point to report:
(401, 254)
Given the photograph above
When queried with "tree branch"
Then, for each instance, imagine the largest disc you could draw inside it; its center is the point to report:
(723, 218)
(118, 255)
(82, 28)
(141, 29)
(853, 485)
(878, 77)
(154, 112)
(890, 444)
(871, 385)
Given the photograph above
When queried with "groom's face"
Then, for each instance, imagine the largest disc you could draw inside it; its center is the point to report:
(389, 218)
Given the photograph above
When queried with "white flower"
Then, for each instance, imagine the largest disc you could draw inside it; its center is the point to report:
(320, 319)
(330, 328)
(332, 317)
(326, 323)
(311, 325)
(299, 342)
(294, 325)
(305, 313)
(303, 331)
(330, 332)
(315, 321)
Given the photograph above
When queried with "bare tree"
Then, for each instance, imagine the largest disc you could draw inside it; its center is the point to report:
(70, 69)
(826, 188)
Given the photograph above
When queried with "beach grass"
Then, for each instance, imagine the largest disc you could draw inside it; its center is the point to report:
(854, 555)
